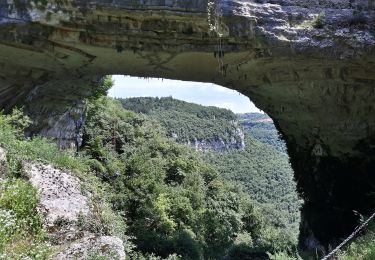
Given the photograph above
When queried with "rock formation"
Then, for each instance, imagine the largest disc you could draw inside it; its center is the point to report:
(63, 207)
(236, 142)
(309, 64)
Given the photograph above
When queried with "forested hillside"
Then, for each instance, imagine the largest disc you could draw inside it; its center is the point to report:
(203, 128)
(261, 127)
(173, 200)
(267, 177)
(262, 168)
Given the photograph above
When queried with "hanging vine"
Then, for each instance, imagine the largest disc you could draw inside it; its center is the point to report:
(215, 16)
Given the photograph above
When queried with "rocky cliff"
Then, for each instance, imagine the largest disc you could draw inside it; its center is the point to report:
(308, 64)
(236, 142)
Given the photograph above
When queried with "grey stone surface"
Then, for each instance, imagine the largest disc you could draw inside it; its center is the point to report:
(106, 247)
(62, 205)
(236, 142)
(61, 201)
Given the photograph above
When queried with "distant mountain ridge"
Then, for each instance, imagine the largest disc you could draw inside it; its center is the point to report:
(203, 128)
(260, 127)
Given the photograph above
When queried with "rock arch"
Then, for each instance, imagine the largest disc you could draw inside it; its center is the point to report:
(309, 64)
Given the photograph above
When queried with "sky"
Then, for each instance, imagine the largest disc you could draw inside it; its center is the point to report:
(196, 92)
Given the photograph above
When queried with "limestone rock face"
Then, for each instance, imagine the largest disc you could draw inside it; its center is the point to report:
(62, 205)
(105, 247)
(236, 142)
(61, 201)
(308, 64)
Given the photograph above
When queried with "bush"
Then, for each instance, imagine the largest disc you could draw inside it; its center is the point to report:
(20, 198)
(21, 232)
(319, 21)
(283, 256)
(37, 149)
(174, 202)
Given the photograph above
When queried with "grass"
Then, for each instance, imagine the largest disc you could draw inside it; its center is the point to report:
(36, 149)
(363, 248)
(21, 231)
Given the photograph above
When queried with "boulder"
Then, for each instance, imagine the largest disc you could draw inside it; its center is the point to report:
(62, 206)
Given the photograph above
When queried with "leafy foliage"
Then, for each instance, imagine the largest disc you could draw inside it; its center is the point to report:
(174, 201)
(102, 88)
(318, 22)
(42, 149)
(267, 177)
(21, 232)
(262, 169)
(171, 202)
(185, 120)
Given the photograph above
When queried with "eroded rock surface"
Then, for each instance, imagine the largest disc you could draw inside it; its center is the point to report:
(61, 201)
(309, 64)
(103, 246)
(63, 206)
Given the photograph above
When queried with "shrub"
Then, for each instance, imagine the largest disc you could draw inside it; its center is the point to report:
(319, 21)
(37, 149)
(20, 198)
(283, 256)
(21, 232)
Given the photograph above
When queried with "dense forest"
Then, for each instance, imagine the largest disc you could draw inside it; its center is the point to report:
(173, 200)
(262, 169)
(268, 179)
(187, 122)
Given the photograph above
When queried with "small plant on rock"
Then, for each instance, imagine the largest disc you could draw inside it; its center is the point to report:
(319, 21)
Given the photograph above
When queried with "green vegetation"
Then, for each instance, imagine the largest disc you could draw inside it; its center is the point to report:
(185, 120)
(268, 179)
(262, 170)
(318, 22)
(362, 248)
(21, 231)
(261, 128)
(36, 149)
(173, 201)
